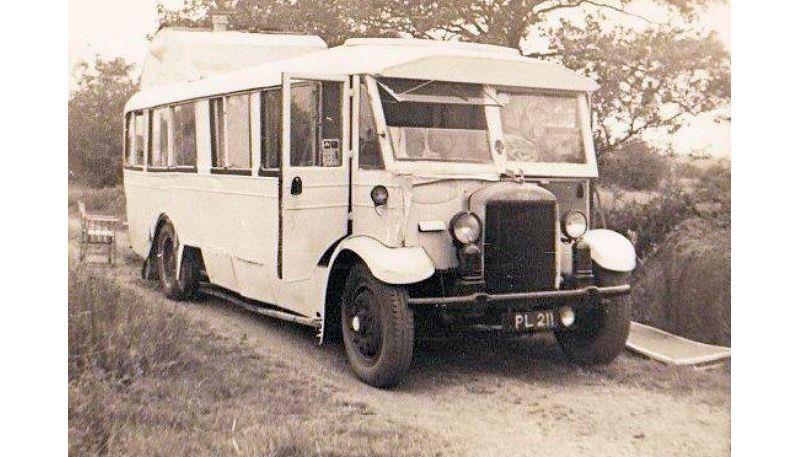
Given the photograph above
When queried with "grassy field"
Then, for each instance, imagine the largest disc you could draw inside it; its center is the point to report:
(144, 379)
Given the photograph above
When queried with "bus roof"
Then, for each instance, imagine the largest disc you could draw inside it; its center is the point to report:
(396, 58)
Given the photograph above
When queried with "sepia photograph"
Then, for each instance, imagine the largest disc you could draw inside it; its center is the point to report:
(399, 228)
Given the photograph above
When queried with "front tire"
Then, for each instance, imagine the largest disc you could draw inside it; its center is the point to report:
(600, 333)
(177, 285)
(377, 328)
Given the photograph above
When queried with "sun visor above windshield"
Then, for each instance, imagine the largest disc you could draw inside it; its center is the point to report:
(427, 91)
(494, 71)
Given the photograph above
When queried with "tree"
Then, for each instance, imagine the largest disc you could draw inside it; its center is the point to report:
(95, 111)
(648, 79)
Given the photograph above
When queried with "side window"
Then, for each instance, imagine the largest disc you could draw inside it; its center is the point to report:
(159, 138)
(230, 132)
(130, 138)
(304, 125)
(217, 119)
(237, 131)
(369, 151)
(185, 135)
(135, 140)
(270, 129)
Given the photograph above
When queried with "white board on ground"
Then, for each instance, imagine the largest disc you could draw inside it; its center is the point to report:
(672, 349)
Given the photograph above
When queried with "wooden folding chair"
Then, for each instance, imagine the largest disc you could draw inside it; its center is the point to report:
(98, 230)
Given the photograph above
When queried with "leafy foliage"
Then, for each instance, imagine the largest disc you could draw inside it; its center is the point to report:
(649, 79)
(95, 108)
(635, 166)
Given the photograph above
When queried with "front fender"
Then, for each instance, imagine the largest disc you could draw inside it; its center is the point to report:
(404, 265)
(610, 250)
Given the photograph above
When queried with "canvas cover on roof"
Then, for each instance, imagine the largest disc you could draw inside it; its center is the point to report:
(178, 55)
(401, 58)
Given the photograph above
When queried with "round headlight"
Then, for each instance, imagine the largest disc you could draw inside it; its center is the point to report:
(466, 228)
(574, 224)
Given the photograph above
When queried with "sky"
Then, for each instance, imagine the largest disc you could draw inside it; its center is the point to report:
(119, 28)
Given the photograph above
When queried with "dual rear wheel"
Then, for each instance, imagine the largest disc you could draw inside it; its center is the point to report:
(179, 282)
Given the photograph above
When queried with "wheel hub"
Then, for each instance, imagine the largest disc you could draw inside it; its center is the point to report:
(355, 324)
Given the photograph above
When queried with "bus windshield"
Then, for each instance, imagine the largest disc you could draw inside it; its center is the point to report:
(542, 128)
(437, 131)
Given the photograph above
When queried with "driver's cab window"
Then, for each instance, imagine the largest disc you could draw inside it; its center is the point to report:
(369, 150)
(316, 125)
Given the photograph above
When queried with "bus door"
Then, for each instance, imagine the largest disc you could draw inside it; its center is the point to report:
(314, 182)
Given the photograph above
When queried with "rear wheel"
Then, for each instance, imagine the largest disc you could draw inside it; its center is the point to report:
(377, 328)
(600, 332)
(177, 284)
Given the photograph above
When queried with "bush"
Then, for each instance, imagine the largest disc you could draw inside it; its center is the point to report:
(685, 287)
(637, 166)
(647, 224)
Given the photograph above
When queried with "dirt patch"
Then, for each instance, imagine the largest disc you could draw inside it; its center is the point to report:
(685, 286)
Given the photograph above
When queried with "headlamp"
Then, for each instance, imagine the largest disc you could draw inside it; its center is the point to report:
(466, 228)
(574, 224)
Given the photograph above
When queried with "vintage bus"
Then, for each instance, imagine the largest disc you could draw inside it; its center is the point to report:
(379, 190)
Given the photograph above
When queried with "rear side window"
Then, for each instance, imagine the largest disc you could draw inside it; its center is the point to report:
(185, 136)
(135, 139)
(158, 153)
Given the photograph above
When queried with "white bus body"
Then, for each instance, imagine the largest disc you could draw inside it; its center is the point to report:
(264, 174)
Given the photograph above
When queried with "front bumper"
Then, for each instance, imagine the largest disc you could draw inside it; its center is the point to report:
(542, 297)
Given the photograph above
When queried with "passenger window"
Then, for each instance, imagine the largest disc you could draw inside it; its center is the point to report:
(159, 138)
(185, 134)
(270, 129)
(217, 117)
(304, 125)
(230, 132)
(130, 138)
(237, 131)
(369, 151)
(135, 140)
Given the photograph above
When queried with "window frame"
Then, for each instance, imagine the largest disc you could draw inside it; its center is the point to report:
(171, 166)
(170, 139)
(131, 143)
(214, 134)
(270, 171)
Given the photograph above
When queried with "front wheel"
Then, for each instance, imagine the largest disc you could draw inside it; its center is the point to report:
(378, 328)
(600, 332)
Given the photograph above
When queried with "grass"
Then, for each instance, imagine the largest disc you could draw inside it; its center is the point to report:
(144, 379)
(103, 200)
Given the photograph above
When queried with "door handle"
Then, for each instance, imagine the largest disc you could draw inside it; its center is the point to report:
(297, 186)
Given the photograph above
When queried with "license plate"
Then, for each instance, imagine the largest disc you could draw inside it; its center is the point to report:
(531, 321)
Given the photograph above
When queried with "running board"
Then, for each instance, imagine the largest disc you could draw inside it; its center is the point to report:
(263, 309)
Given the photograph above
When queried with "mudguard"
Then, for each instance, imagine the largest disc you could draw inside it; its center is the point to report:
(610, 250)
(404, 265)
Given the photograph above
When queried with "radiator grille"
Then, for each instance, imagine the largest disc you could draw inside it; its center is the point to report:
(519, 246)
